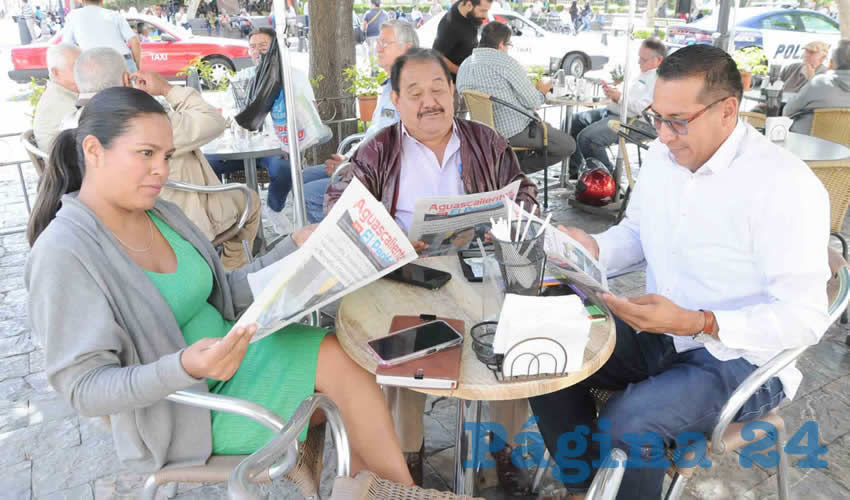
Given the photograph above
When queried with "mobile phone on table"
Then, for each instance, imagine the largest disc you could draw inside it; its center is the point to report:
(414, 342)
(416, 275)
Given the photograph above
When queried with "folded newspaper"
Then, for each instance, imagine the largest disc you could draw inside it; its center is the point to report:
(357, 243)
(449, 224)
(566, 258)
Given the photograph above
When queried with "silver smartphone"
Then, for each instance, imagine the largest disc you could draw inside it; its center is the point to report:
(414, 342)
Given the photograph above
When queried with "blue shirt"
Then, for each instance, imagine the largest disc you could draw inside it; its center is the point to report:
(385, 113)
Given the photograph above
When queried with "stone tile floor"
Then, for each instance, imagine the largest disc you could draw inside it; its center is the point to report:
(48, 452)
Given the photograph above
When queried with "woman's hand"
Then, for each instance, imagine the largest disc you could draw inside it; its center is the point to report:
(218, 358)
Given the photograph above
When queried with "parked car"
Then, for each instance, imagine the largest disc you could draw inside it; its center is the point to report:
(169, 49)
(787, 31)
(534, 46)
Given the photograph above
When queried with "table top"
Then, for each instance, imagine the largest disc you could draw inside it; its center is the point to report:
(755, 95)
(809, 148)
(568, 100)
(366, 314)
(229, 147)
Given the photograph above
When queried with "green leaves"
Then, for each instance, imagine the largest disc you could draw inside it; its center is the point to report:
(366, 80)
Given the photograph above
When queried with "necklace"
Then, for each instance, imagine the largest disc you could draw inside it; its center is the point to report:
(150, 243)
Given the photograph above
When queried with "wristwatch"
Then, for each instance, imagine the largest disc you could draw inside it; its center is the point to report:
(708, 326)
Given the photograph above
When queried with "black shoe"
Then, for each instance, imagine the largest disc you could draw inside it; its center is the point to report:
(511, 479)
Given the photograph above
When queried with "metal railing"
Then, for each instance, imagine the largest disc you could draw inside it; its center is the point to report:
(18, 164)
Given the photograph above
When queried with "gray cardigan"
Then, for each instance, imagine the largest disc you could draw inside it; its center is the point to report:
(112, 345)
(829, 90)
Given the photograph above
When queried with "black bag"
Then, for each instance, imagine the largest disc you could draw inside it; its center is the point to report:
(264, 90)
(359, 35)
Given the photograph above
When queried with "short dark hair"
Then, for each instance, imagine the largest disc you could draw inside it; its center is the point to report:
(478, 2)
(717, 69)
(263, 31)
(376, 3)
(656, 46)
(418, 55)
(841, 55)
(493, 34)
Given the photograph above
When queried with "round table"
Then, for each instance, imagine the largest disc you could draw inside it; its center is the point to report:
(810, 148)
(755, 95)
(366, 314)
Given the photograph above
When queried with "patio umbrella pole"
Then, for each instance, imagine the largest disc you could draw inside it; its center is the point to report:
(294, 151)
(624, 97)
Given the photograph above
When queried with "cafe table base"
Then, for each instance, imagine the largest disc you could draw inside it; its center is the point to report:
(466, 447)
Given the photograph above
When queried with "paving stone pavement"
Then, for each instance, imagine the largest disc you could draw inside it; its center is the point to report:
(48, 452)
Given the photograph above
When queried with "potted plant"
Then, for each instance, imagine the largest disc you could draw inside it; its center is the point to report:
(751, 61)
(617, 74)
(365, 83)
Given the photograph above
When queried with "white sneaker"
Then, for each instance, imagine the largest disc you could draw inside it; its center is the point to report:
(280, 222)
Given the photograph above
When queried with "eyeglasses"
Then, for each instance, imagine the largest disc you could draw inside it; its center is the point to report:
(678, 127)
(383, 43)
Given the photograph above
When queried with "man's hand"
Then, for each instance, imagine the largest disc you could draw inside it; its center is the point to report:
(584, 239)
(655, 314)
(300, 236)
(333, 162)
(612, 93)
(419, 245)
(152, 83)
(808, 70)
(544, 87)
(218, 358)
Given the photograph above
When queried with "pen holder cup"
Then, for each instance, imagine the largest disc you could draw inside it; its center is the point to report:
(522, 262)
(482, 344)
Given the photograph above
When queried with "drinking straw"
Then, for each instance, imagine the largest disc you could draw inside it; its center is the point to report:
(481, 247)
(527, 224)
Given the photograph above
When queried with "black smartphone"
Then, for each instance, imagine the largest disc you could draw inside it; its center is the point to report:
(414, 274)
(415, 342)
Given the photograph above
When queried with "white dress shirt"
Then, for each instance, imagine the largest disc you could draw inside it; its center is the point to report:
(641, 93)
(423, 176)
(745, 236)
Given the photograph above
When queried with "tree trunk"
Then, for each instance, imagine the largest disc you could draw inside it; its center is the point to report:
(332, 50)
(650, 16)
(844, 18)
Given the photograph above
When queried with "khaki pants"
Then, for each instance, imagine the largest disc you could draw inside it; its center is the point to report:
(233, 253)
(408, 408)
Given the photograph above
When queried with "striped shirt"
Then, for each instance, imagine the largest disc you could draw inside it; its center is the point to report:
(497, 74)
(26, 11)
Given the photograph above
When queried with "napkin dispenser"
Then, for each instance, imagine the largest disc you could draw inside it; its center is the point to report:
(776, 128)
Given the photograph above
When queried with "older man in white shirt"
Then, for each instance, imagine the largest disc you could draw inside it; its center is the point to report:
(590, 128)
(723, 296)
(60, 95)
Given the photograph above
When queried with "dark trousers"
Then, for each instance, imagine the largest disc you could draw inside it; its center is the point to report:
(664, 392)
(561, 145)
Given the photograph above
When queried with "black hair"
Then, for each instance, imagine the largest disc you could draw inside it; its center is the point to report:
(263, 31)
(376, 3)
(841, 55)
(717, 69)
(418, 55)
(656, 46)
(106, 116)
(478, 2)
(493, 34)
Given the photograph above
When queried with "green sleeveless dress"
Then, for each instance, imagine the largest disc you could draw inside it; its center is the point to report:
(278, 372)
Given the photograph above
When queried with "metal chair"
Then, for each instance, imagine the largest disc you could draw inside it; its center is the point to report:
(835, 176)
(36, 155)
(832, 124)
(726, 435)
(480, 106)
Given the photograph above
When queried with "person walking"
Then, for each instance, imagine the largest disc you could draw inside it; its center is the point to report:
(93, 26)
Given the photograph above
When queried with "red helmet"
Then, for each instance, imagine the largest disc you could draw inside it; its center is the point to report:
(595, 186)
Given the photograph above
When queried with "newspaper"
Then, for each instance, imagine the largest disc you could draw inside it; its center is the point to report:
(357, 243)
(451, 223)
(567, 259)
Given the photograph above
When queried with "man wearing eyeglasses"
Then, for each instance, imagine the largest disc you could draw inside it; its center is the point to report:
(734, 232)
(590, 128)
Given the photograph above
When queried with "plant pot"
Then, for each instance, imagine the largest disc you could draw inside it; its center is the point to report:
(367, 104)
(746, 79)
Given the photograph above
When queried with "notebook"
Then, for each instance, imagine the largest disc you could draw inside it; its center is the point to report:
(440, 370)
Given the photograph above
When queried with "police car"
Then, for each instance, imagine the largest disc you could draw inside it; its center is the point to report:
(167, 50)
(781, 32)
(534, 46)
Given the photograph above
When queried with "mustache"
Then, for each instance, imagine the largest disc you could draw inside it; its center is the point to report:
(431, 111)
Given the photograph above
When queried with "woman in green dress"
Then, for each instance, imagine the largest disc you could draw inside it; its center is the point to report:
(131, 303)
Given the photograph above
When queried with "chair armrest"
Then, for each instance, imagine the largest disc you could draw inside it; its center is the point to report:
(229, 404)
(266, 456)
(530, 116)
(222, 188)
(756, 379)
(338, 171)
(606, 484)
(343, 144)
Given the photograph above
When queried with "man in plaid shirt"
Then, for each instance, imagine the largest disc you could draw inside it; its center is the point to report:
(492, 71)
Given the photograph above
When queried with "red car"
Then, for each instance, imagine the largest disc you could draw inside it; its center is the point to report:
(166, 49)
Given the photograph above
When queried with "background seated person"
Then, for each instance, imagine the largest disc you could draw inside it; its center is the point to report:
(590, 128)
(152, 309)
(722, 297)
(60, 95)
(796, 75)
(194, 123)
(829, 90)
(396, 37)
(429, 153)
(492, 71)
